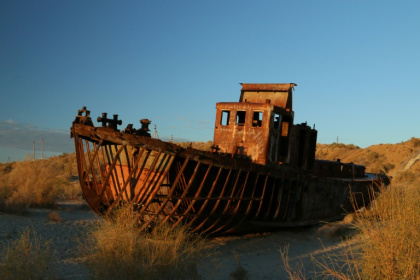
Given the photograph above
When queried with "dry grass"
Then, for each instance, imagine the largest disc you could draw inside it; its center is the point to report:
(294, 273)
(341, 264)
(38, 183)
(25, 258)
(54, 217)
(387, 245)
(116, 249)
(392, 235)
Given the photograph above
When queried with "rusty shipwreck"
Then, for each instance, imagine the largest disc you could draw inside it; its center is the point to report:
(261, 172)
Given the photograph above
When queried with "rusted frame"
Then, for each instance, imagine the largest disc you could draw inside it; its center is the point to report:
(227, 224)
(266, 215)
(134, 169)
(155, 185)
(215, 207)
(79, 156)
(91, 159)
(146, 224)
(95, 157)
(280, 196)
(277, 212)
(207, 199)
(182, 184)
(146, 186)
(117, 177)
(109, 173)
(184, 193)
(122, 172)
(262, 198)
(370, 193)
(286, 209)
(160, 198)
(193, 201)
(104, 173)
(98, 162)
(140, 171)
(252, 197)
(77, 149)
(126, 183)
(82, 156)
(251, 200)
(128, 160)
(110, 157)
(229, 201)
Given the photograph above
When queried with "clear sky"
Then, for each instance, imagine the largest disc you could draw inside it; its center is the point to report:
(356, 64)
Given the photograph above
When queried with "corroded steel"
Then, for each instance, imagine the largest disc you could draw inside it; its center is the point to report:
(261, 174)
(277, 94)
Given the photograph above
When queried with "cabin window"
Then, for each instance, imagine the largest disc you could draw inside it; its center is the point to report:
(276, 121)
(257, 119)
(225, 118)
(284, 129)
(240, 117)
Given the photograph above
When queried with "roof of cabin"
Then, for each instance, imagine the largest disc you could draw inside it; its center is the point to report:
(268, 87)
(276, 94)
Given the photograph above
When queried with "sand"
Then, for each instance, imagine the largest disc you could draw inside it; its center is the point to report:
(259, 254)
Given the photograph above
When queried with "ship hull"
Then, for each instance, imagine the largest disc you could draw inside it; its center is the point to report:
(208, 192)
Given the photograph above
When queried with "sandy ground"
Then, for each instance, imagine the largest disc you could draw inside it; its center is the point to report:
(259, 254)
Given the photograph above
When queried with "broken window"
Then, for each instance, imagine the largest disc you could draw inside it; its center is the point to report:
(284, 129)
(225, 118)
(276, 121)
(257, 119)
(240, 117)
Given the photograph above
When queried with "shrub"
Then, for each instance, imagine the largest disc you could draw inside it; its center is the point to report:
(25, 258)
(415, 142)
(116, 249)
(342, 145)
(54, 217)
(203, 146)
(38, 183)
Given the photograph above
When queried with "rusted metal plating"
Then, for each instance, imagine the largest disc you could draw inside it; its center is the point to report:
(261, 174)
(260, 127)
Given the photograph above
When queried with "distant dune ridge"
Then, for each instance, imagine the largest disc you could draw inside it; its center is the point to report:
(392, 159)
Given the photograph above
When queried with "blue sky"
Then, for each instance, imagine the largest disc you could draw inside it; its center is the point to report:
(356, 64)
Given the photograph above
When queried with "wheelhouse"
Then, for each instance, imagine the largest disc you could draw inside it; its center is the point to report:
(260, 127)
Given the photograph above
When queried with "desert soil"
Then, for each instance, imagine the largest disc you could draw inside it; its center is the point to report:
(259, 254)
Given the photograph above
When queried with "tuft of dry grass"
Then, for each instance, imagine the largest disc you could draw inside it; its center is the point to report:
(343, 264)
(25, 258)
(294, 273)
(54, 217)
(116, 249)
